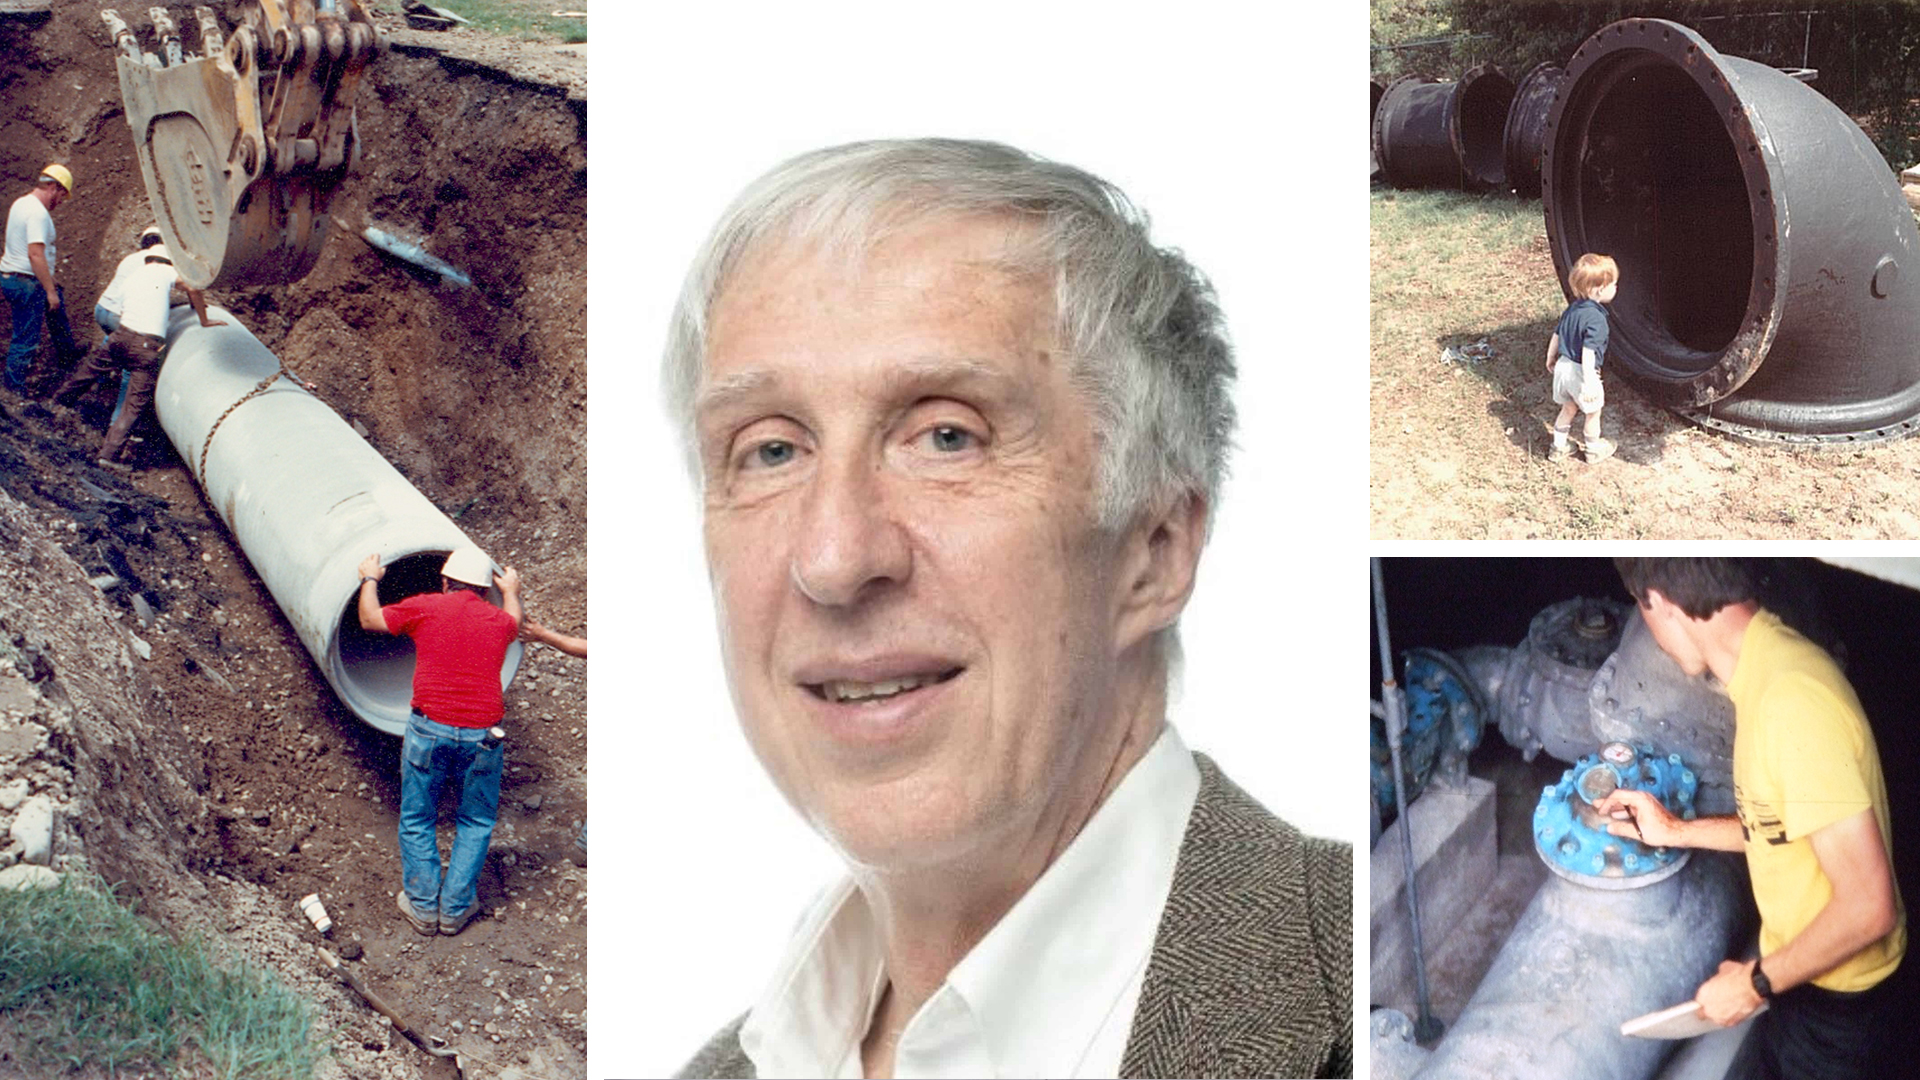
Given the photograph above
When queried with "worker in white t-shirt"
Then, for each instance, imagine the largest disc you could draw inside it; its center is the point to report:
(135, 346)
(106, 310)
(26, 276)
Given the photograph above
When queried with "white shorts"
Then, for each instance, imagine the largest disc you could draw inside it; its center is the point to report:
(1567, 379)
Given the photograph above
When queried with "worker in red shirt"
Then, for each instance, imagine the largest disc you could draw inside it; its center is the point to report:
(460, 641)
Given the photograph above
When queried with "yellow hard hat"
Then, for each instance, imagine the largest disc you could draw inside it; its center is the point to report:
(58, 173)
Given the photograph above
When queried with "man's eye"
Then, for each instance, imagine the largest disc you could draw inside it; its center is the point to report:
(772, 453)
(950, 440)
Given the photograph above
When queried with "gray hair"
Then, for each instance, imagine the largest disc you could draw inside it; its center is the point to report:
(1142, 324)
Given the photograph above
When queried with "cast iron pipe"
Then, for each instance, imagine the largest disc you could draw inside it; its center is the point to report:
(1582, 960)
(1768, 260)
(1474, 125)
(1375, 88)
(1524, 138)
(306, 498)
(1410, 134)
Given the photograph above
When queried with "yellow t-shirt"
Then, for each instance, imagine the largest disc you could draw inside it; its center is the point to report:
(1803, 758)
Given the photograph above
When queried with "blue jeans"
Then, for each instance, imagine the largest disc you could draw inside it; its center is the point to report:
(430, 754)
(29, 303)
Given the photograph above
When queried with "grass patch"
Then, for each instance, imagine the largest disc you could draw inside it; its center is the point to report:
(85, 984)
(521, 19)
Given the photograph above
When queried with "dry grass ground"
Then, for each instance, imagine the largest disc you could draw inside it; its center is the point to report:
(1460, 450)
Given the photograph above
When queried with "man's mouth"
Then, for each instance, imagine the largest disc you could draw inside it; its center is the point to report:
(846, 690)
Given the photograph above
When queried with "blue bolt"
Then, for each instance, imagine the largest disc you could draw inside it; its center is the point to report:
(1673, 759)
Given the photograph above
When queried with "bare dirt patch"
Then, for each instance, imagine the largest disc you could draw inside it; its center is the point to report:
(255, 787)
(1458, 450)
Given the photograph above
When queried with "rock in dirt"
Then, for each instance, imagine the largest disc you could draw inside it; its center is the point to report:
(33, 828)
(13, 794)
(28, 877)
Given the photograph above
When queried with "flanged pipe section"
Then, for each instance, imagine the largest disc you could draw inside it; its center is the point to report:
(1571, 835)
(1411, 140)
(1475, 123)
(1523, 141)
(306, 498)
(1767, 257)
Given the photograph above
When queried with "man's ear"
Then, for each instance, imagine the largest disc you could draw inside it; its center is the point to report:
(1162, 558)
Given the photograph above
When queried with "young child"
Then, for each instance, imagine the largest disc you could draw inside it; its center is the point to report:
(1575, 354)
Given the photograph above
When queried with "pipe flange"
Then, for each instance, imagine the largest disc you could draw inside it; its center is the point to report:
(1826, 441)
(1570, 834)
(1619, 56)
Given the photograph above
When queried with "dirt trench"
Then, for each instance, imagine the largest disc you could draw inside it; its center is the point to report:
(148, 684)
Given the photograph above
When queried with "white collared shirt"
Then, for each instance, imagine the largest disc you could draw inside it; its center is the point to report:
(1050, 991)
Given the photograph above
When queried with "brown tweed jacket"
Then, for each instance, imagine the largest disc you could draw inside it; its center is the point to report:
(1252, 968)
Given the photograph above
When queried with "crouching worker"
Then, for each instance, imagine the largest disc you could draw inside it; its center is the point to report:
(136, 346)
(460, 641)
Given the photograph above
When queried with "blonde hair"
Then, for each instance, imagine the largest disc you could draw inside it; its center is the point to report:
(1592, 273)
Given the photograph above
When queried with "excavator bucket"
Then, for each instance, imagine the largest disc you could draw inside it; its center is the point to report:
(243, 144)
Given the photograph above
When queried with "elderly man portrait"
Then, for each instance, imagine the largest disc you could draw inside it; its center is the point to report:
(959, 429)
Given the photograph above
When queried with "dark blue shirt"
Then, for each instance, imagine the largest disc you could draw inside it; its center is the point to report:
(1583, 326)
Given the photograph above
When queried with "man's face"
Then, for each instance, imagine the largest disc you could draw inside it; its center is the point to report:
(919, 619)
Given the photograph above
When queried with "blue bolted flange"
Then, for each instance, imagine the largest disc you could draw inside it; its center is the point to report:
(1446, 714)
(1572, 836)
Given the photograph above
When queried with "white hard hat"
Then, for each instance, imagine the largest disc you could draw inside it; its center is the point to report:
(469, 566)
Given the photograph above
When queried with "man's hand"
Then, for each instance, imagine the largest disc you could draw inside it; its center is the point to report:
(1640, 816)
(509, 581)
(370, 567)
(53, 300)
(1729, 997)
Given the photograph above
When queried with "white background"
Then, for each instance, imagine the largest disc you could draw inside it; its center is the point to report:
(1240, 134)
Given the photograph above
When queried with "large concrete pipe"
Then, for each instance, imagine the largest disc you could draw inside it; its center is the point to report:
(1523, 140)
(1581, 961)
(1770, 268)
(307, 499)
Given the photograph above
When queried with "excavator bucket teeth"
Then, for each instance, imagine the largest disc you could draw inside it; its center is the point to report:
(243, 144)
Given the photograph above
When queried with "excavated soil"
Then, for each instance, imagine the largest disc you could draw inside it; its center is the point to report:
(148, 684)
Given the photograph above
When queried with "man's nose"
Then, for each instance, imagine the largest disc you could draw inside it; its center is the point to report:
(849, 544)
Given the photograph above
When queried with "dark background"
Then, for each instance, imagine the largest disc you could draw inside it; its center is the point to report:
(1872, 626)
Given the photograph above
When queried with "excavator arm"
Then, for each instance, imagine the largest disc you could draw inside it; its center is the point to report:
(243, 145)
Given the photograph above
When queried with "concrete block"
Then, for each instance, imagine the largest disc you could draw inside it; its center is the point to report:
(1454, 855)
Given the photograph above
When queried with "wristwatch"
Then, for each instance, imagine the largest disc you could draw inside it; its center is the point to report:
(368, 578)
(1761, 984)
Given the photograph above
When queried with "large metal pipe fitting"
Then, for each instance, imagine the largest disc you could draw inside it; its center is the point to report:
(1523, 140)
(306, 498)
(1640, 695)
(1542, 700)
(1571, 835)
(1582, 960)
(1410, 134)
(1770, 267)
(1446, 713)
(1476, 124)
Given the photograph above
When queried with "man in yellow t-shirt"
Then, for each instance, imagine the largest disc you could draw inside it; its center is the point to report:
(1812, 821)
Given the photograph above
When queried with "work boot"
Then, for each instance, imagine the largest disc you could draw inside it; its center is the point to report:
(453, 924)
(1599, 450)
(421, 924)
